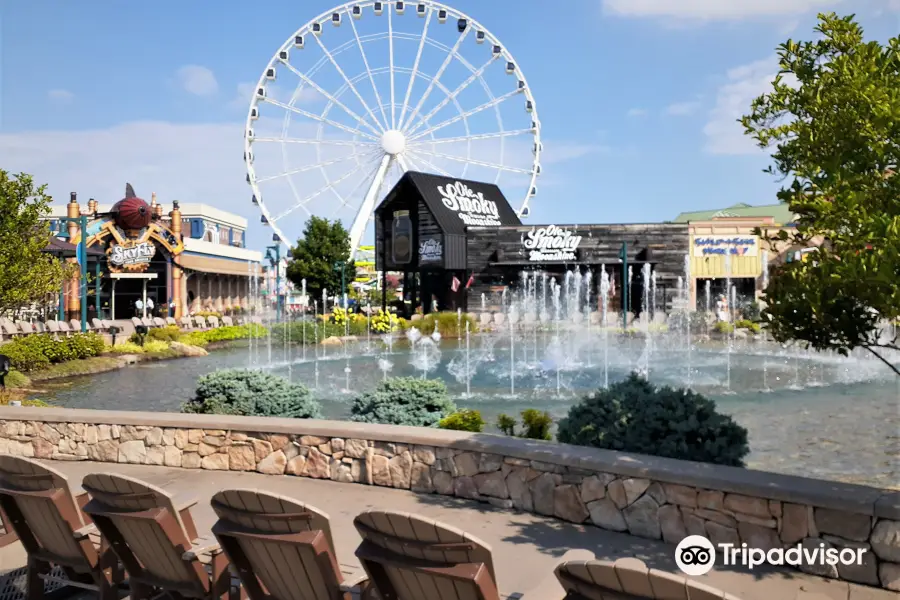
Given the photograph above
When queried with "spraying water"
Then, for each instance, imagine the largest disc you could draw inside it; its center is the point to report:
(688, 312)
(604, 297)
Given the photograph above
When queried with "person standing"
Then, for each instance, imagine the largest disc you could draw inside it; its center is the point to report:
(139, 308)
(150, 306)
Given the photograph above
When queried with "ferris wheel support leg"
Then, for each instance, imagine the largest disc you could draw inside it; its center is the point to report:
(402, 162)
(365, 211)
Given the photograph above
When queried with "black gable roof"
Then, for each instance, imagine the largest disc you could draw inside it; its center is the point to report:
(458, 203)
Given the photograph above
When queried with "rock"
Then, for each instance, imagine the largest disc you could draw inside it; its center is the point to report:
(656, 492)
(517, 486)
(634, 488)
(420, 478)
(326, 448)
(642, 518)
(742, 518)
(187, 349)
(758, 507)
(274, 464)
(443, 483)
(542, 493)
(278, 441)
(567, 504)
(42, 448)
(504, 503)
(816, 568)
(155, 456)
(885, 540)
(693, 524)
(889, 574)
(716, 517)
(605, 514)
(317, 465)
(866, 572)
(464, 487)
(206, 449)
(671, 524)
(172, 457)
(313, 440)
(758, 537)
(846, 525)
(775, 508)
(424, 455)
(489, 462)
(154, 437)
(720, 534)
(381, 472)
(593, 488)
(546, 467)
(357, 470)
(215, 462)
(355, 448)
(400, 467)
(793, 523)
(261, 448)
(105, 451)
(242, 458)
(332, 341)
(616, 492)
(466, 464)
(681, 495)
(711, 500)
(491, 484)
(132, 452)
(341, 472)
(296, 466)
(190, 460)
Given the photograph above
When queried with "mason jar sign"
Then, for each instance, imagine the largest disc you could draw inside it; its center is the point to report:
(401, 236)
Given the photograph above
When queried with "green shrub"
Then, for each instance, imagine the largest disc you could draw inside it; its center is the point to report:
(536, 425)
(23, 357)
(752, 312)
(82, 345)
(723, 327)
(227, 333)
(635, 416)
(465, 419)
(38, 351)
(194, 338)
(251, 393)
(126, 348)
(448, 324)
(404, 401)
(155, 346)
(169, 333)
(15, 379)
(747, 324)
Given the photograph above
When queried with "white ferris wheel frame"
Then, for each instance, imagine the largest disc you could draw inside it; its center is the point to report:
(370, 139)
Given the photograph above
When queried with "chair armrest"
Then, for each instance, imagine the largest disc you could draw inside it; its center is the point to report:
(350, 584)
(550, 588)
(202, 546)
(184, 501)
(88, 531)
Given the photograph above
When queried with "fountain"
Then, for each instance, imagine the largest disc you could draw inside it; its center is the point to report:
(604, 303)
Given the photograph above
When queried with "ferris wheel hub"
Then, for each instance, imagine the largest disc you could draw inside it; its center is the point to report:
(393, 142)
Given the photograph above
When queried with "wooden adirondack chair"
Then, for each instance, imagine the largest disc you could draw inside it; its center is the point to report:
(156, 540)
(408, 557)
(629, 579)
(46, 516)
(281, 546)
(7, 535)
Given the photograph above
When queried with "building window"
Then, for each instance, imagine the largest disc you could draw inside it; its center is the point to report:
(224, 234)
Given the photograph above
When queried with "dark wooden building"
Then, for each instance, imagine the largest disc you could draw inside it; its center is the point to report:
(455, 240)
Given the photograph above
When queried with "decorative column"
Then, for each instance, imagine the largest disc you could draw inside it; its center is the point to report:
(73, 291)
(178, 289)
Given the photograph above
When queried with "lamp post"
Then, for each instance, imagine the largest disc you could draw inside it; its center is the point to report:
(623, 256)
(81, 256)
(339, 266)
(273, 253)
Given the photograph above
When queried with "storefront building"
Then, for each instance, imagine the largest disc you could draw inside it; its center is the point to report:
(459, 245)
(187, 260)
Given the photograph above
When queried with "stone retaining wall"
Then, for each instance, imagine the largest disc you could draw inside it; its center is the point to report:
(645, 496)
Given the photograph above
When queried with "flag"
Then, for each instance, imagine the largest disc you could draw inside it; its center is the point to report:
(612, 284)
(470, 281)
(455, 284)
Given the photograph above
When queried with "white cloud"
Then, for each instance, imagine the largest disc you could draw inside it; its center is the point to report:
(724, 135)
(60, 96)
(636, 112)
(682, 109)
(559, 152)
(197, 80)
(242, 95)
(719, 10)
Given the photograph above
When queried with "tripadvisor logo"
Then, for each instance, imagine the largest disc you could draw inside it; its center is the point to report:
(695, 555)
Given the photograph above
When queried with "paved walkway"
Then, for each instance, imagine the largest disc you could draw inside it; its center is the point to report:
(526, 547)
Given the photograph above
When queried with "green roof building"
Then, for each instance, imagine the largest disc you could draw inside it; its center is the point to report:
(780, 212)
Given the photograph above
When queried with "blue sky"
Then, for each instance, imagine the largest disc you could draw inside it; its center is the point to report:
(637, 98)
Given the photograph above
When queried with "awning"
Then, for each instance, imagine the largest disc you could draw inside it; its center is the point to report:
(64, 249)
(220, 266)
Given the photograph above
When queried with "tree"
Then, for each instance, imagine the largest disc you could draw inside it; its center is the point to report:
(28, 274)
(322, 248)
(832, 119)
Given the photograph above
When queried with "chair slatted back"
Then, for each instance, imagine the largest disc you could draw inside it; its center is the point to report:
(9, 328)
(171, 321)
(52, 326)
(42, 511)
(277, 544)
(147, 321)
(408, 557)
(213, 321)
(146, 531)
(226, 320)
(136, 321)
(629, 579)
(201, 322)
(159, 321)
(75, 325)
(64, 327)
(186, 323)
(97, 324)
(26, 327)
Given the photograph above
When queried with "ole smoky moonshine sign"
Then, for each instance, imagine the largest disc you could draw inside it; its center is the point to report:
(551, 243)
(470, 206)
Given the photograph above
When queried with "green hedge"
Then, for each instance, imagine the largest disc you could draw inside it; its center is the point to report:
(222, 334)
(404, 401)
(251, 393)
(448, 324)
(294, 331)
(635, 416)
(465, 419)
(35, 352)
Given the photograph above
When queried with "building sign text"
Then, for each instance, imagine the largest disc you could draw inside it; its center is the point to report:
(133, 256)
(551, 243)
(712, 245)
(471, 207)
(430, 251)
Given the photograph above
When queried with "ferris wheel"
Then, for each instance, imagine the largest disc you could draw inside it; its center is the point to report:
(369, 90)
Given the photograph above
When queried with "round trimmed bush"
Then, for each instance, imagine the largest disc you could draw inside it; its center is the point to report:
(404, 401)
(24, 358)
(635, 416)
(466, 419)
(251, 393)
